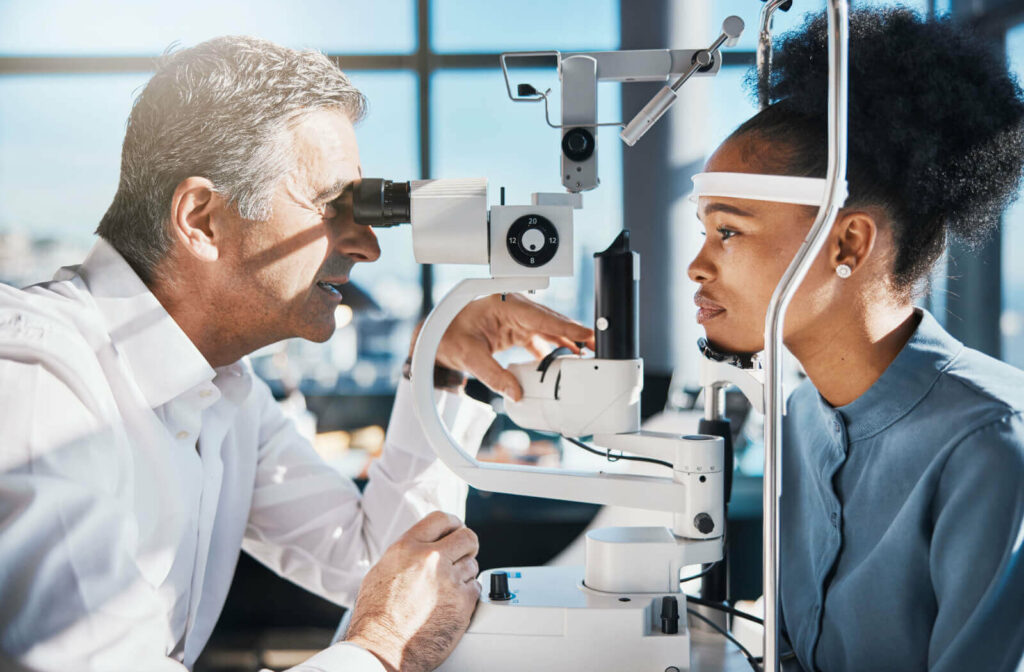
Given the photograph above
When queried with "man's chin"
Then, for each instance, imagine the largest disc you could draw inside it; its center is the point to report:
(321, 336)
(320, 332)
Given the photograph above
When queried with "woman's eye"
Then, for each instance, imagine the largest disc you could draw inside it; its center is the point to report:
(726, 234)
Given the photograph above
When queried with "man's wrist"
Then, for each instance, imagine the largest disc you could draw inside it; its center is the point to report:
(374, 650)
(444, 377)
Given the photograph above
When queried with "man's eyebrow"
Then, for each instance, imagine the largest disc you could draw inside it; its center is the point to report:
(723, 207)
(332, 191)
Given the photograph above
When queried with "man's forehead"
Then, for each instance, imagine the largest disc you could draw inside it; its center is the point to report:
(326, 153)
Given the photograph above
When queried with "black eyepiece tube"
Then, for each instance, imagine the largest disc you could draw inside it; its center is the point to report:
(616, 298)
(379, 202)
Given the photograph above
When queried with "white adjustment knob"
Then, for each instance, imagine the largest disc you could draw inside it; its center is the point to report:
(533, 240)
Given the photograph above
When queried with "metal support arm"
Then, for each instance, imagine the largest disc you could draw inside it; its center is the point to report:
(646, 492)
(838, 34)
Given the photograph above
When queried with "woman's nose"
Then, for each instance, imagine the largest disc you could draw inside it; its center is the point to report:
(701, 270)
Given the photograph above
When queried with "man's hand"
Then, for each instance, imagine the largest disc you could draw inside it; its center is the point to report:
(490, 325)
(416, 602)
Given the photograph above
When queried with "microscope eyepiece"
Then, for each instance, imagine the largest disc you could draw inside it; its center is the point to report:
(380, 202)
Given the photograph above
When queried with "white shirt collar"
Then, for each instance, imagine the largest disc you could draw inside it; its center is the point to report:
(164, 360)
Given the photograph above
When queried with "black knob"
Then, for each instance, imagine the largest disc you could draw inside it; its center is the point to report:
(532, 240)
(669, 615)
(704, 523)
(578, 144)
(499, 586)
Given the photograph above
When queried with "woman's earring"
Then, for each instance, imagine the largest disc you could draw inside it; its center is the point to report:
(843, 271)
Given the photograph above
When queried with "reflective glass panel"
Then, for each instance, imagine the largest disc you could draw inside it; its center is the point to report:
(60, 153)
(128, 27)
(1012, 321)
(525, 25)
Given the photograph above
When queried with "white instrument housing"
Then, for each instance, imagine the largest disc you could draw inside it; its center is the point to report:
(573, 396)
(449, 221)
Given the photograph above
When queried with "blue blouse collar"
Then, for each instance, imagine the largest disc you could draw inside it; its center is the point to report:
(904, 383)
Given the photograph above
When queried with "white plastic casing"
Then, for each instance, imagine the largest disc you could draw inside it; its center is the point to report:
(502, 219)
(554, 623)
(642, 559)
(700, 471)
(449, 221)
(579, 397)
(579, 108)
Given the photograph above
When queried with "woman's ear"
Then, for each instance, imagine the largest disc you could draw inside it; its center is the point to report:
(194, 206)
(856, 233)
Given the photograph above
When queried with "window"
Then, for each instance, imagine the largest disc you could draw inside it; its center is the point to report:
(68, 79)
(526, 25)
(130, 28)
(1012, 318)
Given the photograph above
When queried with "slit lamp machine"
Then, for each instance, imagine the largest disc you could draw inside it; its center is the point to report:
(624, 609)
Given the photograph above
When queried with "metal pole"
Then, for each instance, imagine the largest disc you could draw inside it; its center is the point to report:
(764, 50)
(838, 28)
(424, 69)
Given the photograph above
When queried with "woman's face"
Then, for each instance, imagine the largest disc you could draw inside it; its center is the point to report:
(748, 245)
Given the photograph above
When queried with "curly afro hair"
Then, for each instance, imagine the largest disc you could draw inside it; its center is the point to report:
(936, 127)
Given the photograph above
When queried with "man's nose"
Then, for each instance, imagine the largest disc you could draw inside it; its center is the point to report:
(359, 243)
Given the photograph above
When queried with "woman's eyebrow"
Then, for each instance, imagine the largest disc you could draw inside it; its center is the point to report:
(723, 207)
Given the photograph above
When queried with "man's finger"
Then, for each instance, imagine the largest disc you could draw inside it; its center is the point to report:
(563, 342)
(487, 370)
(460, 544)
(535, 346)
(466, 569)
(434, 526)
(536, 318)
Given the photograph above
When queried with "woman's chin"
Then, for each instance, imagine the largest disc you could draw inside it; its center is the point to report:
(728, 340)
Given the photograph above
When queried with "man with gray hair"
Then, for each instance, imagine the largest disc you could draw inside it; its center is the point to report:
(140, 453)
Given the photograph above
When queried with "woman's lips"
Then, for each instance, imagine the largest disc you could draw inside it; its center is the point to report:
(707, 309)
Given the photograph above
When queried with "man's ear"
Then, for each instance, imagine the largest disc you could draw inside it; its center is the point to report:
(856, 233)
(195, 207)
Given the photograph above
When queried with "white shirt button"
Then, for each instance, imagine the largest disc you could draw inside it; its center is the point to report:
(182, 434)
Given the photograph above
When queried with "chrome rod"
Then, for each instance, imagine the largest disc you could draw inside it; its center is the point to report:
(764, 51)
(838, 28)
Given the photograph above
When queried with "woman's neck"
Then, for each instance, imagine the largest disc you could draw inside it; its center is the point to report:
(844, 359)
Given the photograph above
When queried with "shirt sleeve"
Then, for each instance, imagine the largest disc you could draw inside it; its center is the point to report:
(976, 558)
(71, 597)
(311, 525)
(341, 657)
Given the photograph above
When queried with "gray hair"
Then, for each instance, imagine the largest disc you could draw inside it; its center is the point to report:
(219, 110)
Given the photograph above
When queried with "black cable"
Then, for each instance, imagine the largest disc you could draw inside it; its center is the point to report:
(724, 633)
(726, 608)
(741, 614)
(615, 458)
(702, 572)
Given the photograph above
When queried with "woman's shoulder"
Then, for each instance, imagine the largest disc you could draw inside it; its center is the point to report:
(980, 380)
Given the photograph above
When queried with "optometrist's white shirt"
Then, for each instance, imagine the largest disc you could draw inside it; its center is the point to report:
(132, 473)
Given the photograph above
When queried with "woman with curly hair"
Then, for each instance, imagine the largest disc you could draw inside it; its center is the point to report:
(903, 456)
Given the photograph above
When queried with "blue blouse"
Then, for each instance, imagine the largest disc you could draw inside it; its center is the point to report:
(901, 516)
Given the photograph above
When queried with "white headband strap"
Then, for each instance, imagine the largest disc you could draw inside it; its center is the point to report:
(778, 188)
